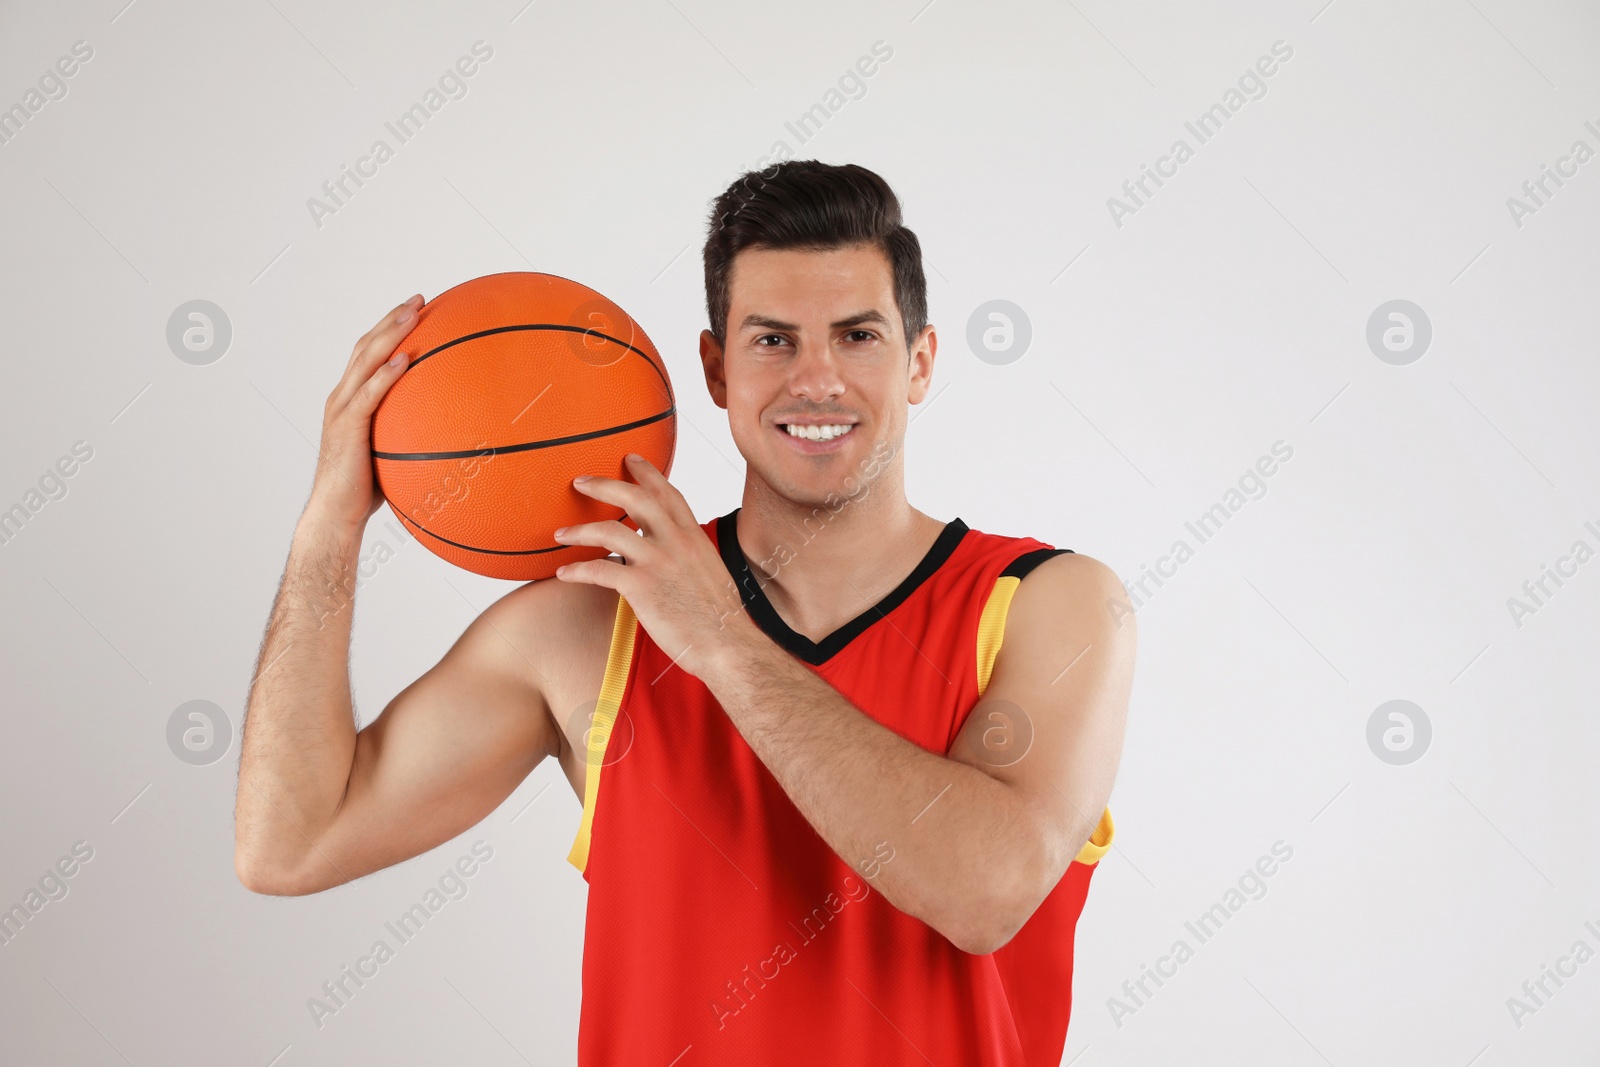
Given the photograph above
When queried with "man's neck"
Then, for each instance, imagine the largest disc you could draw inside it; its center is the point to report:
(822, 565)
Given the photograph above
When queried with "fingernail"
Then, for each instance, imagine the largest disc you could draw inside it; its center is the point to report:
(414, 299)
(636, 457)
(405, 315)
(561, 532)
(397, 360)
(582, 478)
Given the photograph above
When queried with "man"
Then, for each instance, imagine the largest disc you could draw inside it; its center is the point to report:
(807, 840)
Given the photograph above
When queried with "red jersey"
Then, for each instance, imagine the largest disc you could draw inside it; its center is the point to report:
(722, 929)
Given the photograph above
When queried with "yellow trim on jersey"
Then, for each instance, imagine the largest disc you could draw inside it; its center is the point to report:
(1099, 842)
(992, 626)
(618, 659)
(991, 633)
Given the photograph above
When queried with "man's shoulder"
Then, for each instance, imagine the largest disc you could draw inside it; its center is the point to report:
(1059, 581)
(556, 625)
(1016, 555)
(1070, 592)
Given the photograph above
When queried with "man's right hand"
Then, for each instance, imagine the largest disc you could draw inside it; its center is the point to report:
(345, 491)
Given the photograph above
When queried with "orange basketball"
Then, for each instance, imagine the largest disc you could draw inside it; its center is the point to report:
(518, 383)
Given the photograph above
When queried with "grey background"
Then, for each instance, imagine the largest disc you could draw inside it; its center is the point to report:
(1167, 355)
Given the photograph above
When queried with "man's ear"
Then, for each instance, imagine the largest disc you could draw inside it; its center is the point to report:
(715, 371)
(919, 364)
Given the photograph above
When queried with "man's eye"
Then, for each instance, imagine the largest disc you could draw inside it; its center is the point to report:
(768, 336)
(865, 335)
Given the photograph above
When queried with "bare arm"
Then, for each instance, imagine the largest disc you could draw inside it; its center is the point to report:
(318, 803)
(972, 842)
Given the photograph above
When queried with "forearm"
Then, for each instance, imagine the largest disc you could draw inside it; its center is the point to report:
(965, 854)
(299, 737)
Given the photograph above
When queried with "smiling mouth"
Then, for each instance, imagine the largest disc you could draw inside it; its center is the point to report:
(822, 432)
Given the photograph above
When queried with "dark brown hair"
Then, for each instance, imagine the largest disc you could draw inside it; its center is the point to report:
(801, 203)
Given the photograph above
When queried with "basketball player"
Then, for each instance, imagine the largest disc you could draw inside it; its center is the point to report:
(843, 765)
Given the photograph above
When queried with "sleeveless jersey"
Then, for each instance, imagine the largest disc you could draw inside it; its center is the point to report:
(722, 929)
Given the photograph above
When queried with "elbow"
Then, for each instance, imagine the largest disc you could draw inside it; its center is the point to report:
(263, 878)
(988, 920)
(988, 925)
(977, 942)
(982, 935)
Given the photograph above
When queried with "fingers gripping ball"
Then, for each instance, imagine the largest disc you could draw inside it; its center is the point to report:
(518, 383)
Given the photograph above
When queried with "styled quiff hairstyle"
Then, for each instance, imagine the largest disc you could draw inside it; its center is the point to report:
(801, 203)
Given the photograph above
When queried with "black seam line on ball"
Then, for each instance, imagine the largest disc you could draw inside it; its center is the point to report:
(496, 450)
(547, 326)
(486, 551)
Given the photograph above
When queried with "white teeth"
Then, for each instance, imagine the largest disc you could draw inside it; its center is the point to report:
(820, 433)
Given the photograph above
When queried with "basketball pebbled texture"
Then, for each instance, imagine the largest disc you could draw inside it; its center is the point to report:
(518, 382)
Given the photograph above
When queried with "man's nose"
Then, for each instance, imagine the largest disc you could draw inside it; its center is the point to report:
(816, 375)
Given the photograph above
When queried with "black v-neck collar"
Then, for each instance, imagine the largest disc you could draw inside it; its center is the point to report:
(798, 644)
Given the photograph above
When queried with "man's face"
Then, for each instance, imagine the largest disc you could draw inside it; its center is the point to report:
(815, 341)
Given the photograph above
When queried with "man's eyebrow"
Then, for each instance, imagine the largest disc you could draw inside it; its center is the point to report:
(859, 318)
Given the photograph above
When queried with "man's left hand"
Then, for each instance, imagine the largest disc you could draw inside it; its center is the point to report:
(671, 575)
